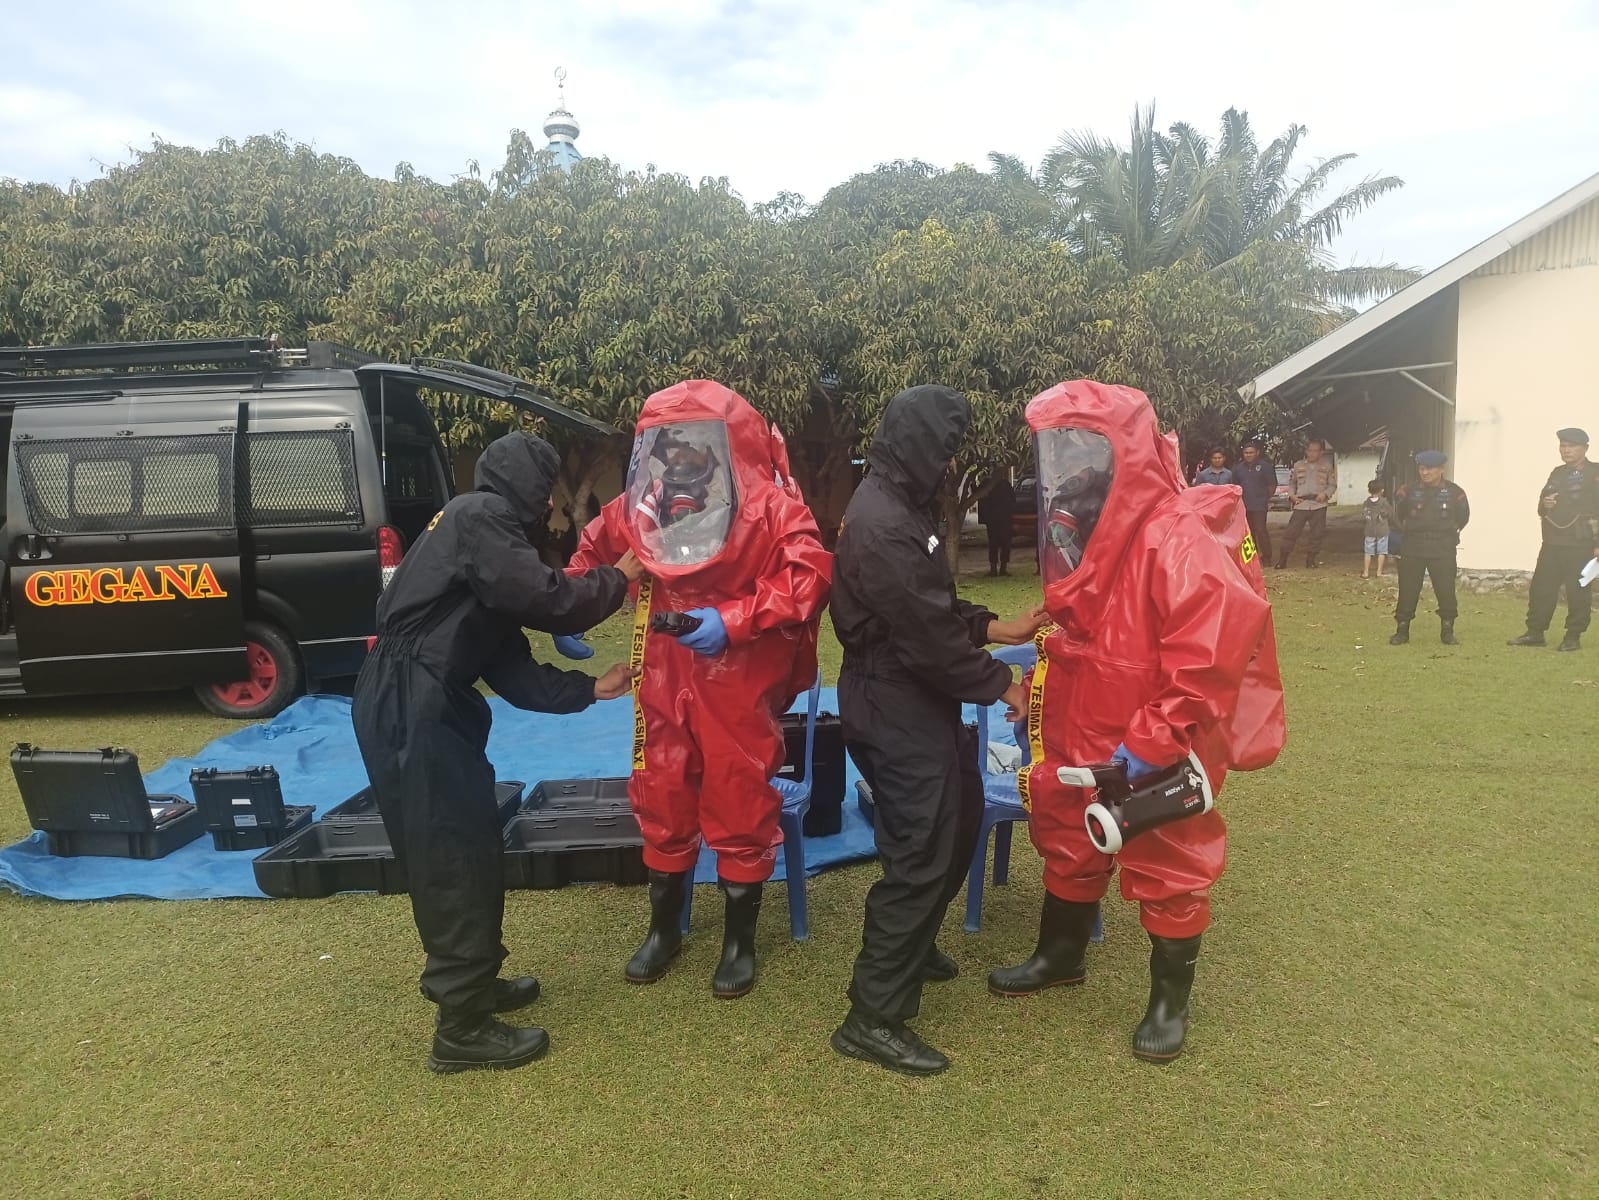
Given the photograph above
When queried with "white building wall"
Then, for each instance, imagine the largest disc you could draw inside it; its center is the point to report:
(1356, 469)
(1528, 357)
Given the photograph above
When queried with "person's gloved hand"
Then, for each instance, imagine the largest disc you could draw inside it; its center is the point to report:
(1136, 767)
(573, 645)
(711, 637)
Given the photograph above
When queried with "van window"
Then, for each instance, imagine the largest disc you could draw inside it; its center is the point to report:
(303, 478)
(128, 485)
(102, 487)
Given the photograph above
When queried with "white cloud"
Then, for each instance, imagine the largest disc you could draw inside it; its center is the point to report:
(1461, 99)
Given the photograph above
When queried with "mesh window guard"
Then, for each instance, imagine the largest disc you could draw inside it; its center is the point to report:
(128, 485)
(303, 477)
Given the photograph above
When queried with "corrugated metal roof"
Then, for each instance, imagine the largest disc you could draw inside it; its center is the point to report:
(1446, 276)
(1572, 241)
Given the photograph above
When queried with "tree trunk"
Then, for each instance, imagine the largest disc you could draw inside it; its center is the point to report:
(949, 501)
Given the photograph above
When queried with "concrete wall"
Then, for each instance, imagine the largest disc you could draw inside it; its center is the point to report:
(1528, 364)
(1356, 469)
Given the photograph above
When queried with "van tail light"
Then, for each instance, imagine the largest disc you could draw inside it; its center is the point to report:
(391, 549)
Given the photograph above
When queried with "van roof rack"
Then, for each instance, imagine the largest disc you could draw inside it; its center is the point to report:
(256, 353)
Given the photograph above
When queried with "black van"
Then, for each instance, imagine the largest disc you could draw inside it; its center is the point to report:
(218, 514)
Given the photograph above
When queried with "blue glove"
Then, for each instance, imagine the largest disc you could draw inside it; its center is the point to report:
(711, 637)
(1135, 765)
(573, 645)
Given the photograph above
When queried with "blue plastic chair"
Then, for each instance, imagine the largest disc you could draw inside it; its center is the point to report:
(796, 795)
(1002, 808)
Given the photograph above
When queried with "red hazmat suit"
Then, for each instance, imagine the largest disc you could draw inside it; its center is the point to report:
(1163, 642)
(706, 737)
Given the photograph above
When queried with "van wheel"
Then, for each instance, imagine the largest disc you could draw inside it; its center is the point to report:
(275, 677)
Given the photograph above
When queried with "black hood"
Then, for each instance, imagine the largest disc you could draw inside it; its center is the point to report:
(921, 429)
(520, 469)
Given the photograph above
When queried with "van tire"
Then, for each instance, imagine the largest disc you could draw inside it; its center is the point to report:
(277, 677)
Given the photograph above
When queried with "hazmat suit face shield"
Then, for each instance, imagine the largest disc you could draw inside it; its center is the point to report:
(1075, 467)
(680, 495)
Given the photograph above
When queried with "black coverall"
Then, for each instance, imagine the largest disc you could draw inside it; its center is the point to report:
(994, 513)
(1431, 519)
(1570, 539)
(453, 614)
(912, 653)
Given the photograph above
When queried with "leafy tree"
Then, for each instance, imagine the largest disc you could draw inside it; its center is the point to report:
(1173, 196)
(252, 238)
(995, 316)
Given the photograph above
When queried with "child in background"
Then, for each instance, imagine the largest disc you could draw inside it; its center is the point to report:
(1378, 513)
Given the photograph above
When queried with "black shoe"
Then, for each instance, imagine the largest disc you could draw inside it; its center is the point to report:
(1530, 638)
(512, 994)
(735, 974)
(483, 1044)
(1159, 1036)
(1401, 634)
(1280, 564)
(1061, 958)
(939, 967)
(1572, 641)
(894, 1046)
(992, 572)
(1005, 570)
(1446, 634)
(1311, 563)
(665, 938)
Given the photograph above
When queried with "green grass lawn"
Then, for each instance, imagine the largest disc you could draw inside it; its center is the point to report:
(1399, 998)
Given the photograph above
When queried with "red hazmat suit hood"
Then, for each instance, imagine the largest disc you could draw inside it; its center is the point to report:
(754, 466)
(1145, 475)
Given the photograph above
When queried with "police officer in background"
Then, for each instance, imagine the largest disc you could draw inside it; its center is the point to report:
(1431, 514)
(1569, 509)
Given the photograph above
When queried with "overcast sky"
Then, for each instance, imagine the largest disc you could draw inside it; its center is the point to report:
(1487, 110)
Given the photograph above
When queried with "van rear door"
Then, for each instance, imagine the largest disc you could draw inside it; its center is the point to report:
(124, 551)
(448, 375)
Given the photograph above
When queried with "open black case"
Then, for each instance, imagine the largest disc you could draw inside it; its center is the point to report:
(93, 802)
(244, 810)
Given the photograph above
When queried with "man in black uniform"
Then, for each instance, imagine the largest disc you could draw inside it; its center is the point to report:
(994, 513)
(1431, 514)
(913, 652)
(453, 614)
(1569, 509)
(1257, 476)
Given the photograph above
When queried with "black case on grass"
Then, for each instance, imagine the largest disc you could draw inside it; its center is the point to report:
(244, 810)
(552, 847)
(826, 814)
(348, 851)
(93, 803)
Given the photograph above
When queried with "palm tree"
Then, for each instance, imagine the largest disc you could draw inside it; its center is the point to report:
(1172, 196)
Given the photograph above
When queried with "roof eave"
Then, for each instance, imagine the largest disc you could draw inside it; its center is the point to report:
(1424, 289)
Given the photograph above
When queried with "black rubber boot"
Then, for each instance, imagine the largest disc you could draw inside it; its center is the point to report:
(1446, 633)
(735, 974)
(939, 967)
(1060, 959)
(479, 1043)
(1401, 634)
(1531, 638)
(892, 1045)
(512, 994)
(665, 938)
(1159, 1036)
(1572, 641)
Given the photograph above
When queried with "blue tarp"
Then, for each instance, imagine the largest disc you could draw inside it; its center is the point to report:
(312, 745)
